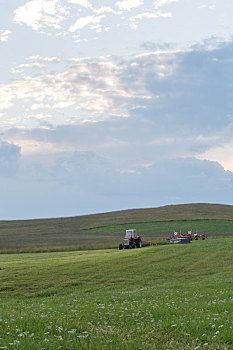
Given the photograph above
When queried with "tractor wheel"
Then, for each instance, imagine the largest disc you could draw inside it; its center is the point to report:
(133, 245)
(120, 246)
(139, 243)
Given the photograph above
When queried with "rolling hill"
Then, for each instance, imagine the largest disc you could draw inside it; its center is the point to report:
(105, 230)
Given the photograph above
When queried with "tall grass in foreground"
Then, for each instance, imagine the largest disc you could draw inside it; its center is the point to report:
(166, 297)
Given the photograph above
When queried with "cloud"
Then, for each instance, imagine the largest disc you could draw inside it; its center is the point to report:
(87, 5)
(134, 21)
(209, 7)
(72, 183)
(35, 65)
(151, 15)
(40, 13)
(160, 3)
(168, 99)
(37, 62)
(51, 59)
(9, 158)
(4, 35)
(5, 97)
(179, 87)
(82, 22)
(83, 3)
(127, 5)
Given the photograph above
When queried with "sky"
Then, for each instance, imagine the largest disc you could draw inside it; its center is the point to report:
(108, 105)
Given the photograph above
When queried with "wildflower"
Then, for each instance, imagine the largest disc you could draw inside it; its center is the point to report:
(72, 331)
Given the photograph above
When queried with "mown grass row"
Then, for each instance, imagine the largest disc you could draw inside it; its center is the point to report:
(164, 297)
(105, 236)
(214, 227)
(106, 230)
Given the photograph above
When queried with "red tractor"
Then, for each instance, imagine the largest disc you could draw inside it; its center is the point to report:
(131, 240)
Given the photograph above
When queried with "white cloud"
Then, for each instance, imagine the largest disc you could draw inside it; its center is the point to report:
(127, 5)
(63, 104)
(40, 13)
(134, 21)
(36, 106)
(38, 62)
(161, 3)
(210, 7)
(52, 59)
(83, 3)
(39, 116)
(158, 87)
(4, 35)
(151, 15)
(220, 152)
(105, 9)
(5, 97)
(35, 65)
(88, 5)
(85, 21)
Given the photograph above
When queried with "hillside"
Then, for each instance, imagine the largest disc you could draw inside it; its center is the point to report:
(106, 229)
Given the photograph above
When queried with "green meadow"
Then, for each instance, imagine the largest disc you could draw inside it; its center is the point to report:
(160, 297)
(164, 228)
(106, 230)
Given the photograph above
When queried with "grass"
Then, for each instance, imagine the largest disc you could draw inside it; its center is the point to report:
(163, 297)
(106, 230)
(162, 228)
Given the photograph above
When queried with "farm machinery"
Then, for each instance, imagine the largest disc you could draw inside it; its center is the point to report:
(131, 240)
(185, 237)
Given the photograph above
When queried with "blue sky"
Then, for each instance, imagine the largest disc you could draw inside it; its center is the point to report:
(111, 105)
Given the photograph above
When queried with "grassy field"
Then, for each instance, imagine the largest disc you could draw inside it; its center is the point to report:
(161, 229)
(163, 297)
(106, 230)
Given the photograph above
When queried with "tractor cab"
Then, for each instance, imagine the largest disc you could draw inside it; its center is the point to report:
(131, 233)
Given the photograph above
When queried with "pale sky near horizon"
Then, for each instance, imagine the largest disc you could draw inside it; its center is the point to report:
(108, 105)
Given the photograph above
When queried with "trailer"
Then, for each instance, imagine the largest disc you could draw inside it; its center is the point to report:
(180, 240)
(186, 237)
